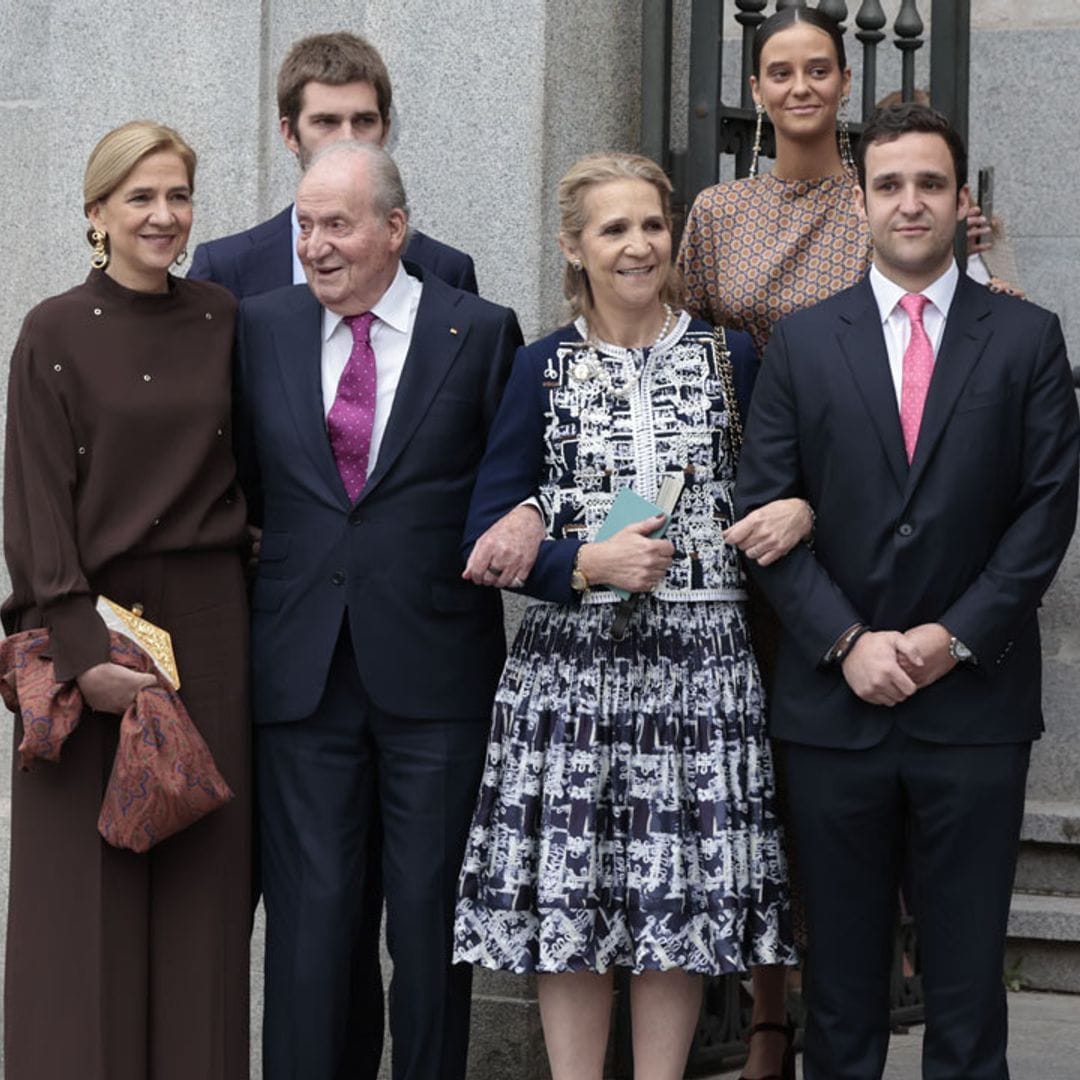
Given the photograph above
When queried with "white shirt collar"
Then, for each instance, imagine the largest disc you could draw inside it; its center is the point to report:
(888, 294)
(394, 307)
(298, 275)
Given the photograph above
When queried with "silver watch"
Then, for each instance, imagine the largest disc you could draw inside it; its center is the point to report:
(959, 651)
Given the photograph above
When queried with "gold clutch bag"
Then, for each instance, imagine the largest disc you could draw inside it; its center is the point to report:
(154, 641)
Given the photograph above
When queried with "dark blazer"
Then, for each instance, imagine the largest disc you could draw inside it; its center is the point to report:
(970, 535)
(260, 259)
(427, 643)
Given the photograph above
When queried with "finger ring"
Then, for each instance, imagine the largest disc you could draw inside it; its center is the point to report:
(517, 583)
(495, 570)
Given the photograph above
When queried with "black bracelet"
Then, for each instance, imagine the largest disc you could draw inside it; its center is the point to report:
(842, 652)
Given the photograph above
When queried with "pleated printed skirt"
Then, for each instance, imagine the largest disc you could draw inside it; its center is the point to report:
(626, 815)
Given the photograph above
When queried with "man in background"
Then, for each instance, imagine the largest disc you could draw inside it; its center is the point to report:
(330, 87)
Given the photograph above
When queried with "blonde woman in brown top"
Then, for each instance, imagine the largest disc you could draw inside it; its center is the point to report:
(119, 480)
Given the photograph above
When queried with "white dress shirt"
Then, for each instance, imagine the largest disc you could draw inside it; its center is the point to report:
(391, 335)
(896, 324)
(298, 275)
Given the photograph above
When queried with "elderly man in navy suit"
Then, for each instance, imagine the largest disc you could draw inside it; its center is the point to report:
(933, 427)
(363, 405)
(330, 87)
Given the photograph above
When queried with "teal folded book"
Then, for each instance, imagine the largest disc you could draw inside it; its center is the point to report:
(629, 508)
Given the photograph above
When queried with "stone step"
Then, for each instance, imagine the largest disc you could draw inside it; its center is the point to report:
(1043, 950)
(1045, 918)
(1049, 848)
(1051, 823)
(1048, 868)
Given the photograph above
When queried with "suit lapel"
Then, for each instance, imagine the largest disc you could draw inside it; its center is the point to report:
(862, 344)
(961, 346)
(298, 347)
(438, 335)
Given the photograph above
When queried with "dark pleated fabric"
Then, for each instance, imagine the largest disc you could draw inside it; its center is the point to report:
(626, 814)
(135, 967)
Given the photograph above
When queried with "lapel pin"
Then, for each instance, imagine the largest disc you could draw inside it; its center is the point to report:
(453, 330)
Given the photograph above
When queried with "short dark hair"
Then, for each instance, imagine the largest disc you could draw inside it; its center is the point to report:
(334, 59)
(781, 20)
(889, 124)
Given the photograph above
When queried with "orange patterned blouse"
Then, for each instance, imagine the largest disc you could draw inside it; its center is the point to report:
(757, 249)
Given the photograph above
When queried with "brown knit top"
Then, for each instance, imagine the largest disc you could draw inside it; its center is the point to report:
(118, 444)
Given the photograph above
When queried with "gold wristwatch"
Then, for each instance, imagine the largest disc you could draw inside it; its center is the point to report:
(578, 581)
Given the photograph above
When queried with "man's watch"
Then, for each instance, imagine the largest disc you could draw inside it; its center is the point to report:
(578, 581)
(959, 651)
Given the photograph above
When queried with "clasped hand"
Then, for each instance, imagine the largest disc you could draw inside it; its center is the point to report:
(630, 559)
(111, 688)
(886, 667)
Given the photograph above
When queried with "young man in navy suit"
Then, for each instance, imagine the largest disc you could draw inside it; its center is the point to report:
(363, 402)
(933, 427)
(330, 87)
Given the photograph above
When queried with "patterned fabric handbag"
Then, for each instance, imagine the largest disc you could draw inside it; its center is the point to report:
(163, 777)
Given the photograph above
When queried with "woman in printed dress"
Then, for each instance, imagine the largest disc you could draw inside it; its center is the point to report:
(626, 813)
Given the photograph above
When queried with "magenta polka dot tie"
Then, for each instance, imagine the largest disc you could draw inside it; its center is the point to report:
(918, 367)
(351, 417)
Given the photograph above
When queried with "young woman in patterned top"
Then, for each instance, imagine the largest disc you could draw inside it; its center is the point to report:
(757, 249)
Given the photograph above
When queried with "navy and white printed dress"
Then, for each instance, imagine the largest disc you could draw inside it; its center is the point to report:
(626, 814)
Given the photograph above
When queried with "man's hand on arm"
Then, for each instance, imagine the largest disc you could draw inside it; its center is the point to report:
(505, 553)
(876, 667)
(771, 531)
(931, 641)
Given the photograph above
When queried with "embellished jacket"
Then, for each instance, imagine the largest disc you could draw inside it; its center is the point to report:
(582, 419)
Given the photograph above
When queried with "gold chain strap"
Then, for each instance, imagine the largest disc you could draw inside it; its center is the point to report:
(727, 377)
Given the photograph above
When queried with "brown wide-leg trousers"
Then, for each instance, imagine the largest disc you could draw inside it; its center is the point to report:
(135, 967)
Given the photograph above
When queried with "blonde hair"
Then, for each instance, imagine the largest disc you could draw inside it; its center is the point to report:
(118, 152)
(601, 169)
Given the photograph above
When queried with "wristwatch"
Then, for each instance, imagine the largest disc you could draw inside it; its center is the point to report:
(578, 581)
(960, 652)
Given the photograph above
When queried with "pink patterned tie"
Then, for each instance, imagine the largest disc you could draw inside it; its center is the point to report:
(918, 367)
(351, 417)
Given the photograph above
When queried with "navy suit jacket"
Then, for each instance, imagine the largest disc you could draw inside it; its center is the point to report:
(260, 259)
(427, 643)
(970, 535)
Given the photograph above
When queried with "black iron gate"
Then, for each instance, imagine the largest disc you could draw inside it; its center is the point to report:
(716, 128)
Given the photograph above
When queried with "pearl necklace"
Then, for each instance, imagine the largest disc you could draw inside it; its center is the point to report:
(589, 367)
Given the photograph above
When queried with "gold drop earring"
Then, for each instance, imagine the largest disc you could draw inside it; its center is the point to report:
(846, 156)
(99, 258)
(757, 139)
